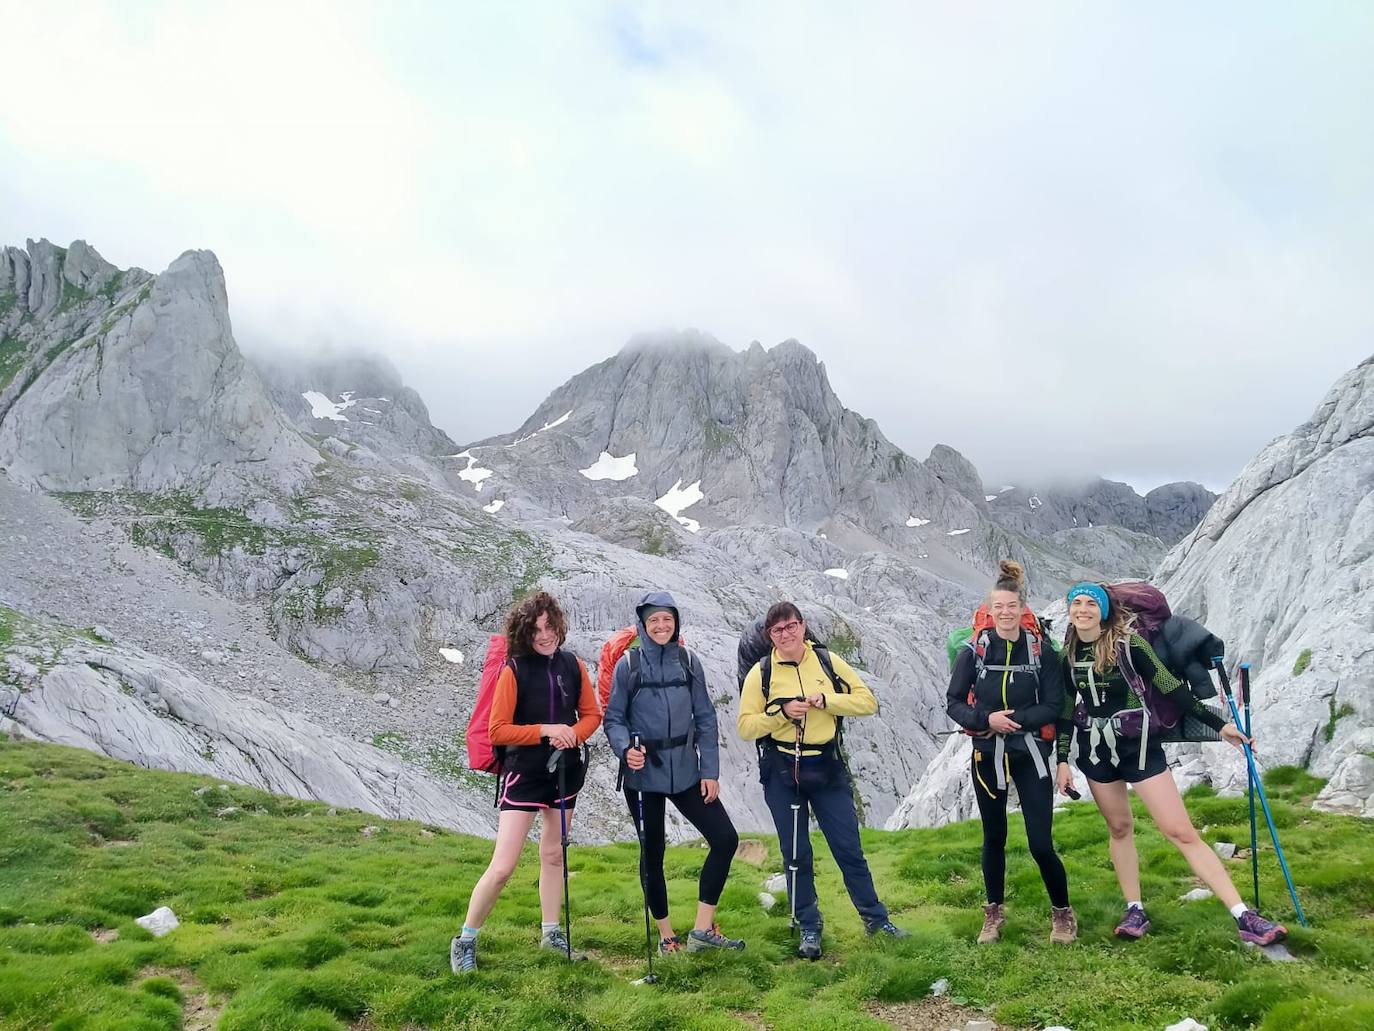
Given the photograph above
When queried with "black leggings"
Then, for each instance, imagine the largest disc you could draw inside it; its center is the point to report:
(1037, 809)
(714, 824)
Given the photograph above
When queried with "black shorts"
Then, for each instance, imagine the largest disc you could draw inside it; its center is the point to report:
(1128, 769)
(534, 791)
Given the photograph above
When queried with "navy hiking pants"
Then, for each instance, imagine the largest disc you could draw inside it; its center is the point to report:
(825, 791)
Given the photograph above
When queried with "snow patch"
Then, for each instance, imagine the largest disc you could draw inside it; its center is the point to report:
(838, 574)
(372, 411)
(547, 426)
(989, 497)
(917, 521)
(1003, 490)
(680, 497)
(494, 507)
(1034, 501)
(956, 533)
(474, 473)
(453, 655)
(323, 408)
(608, 467)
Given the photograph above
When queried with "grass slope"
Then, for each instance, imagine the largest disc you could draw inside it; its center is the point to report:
(293, 919)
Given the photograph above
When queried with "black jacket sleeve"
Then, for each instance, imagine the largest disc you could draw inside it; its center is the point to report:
(1051, 689)
(970, 717)
(1148, 665)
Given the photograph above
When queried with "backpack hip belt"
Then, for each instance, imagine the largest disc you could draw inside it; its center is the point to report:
(660, 744)
(1104, 730)
(999, 753)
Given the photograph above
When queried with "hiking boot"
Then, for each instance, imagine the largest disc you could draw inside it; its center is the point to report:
(701, 941)
(810, 947)
(558, 941)
(670, 946)
(1134, 924)
(994, 917)
(1255, 930)
(462, 955)
(888, 928)
(1063, 925)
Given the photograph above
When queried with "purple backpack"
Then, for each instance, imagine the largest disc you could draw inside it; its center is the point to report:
(1148, 603)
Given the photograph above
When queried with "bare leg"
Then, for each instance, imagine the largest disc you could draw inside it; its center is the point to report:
(551, 866)
(511, 832)
(706, 916)
(1115, 807)
(665, 927)
(1165, 805)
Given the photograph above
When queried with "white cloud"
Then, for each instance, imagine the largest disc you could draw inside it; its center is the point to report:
(1160, 224)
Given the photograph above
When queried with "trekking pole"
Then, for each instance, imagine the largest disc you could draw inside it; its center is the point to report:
(796, 812)
(1250, 782)
(1220, 666)
(649, 978)
(557, 760)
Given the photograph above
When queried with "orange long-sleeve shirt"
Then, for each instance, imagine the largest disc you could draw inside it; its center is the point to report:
(504, 732)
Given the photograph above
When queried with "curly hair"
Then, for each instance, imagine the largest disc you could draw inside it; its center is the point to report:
(1118, 627)
(520, 623)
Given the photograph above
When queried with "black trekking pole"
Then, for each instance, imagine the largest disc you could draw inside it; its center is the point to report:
(1250, 782)
(557, 760)
(796, 813)
(649, 978)
(1259, 788)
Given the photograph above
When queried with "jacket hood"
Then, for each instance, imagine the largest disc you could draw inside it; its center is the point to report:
(656, 600)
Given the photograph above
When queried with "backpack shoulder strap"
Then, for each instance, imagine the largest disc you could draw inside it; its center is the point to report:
(828, 664)
(766, 673)
(688, 661)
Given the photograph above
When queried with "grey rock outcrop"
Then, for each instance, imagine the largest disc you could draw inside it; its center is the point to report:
(139, 387)
(1281, 568)
(1168, 512)
(129, 705)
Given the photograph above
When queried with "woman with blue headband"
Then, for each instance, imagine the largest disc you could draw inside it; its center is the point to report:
(1106, 666)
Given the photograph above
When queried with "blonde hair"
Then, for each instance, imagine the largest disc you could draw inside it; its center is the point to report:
(1011, 577)
(1118, 628)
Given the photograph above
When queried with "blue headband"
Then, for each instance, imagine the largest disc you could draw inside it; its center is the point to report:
(1093, 591)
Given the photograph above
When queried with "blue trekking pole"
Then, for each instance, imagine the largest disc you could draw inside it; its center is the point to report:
(1250, 781)
(1259, 788)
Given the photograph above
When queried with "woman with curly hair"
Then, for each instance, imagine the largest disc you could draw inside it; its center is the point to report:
(544, 701)
(1106, 667)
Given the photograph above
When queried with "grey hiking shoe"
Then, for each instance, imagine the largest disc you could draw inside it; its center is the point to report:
(702, 941)
(810, 947)
(558, 941)
(462, 955)
(994, 917)
(888, 928)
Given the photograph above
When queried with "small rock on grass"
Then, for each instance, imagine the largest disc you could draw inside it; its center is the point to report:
(159, 922)
(1225, 849)
(1187, 1024)
(370, 831)
(766, 900)
(1196, 895)
(940, 987)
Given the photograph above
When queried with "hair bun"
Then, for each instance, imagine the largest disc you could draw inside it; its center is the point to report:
(1012, 570)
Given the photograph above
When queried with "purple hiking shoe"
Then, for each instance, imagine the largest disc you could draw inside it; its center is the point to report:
(1134, 924)
(1255, 930)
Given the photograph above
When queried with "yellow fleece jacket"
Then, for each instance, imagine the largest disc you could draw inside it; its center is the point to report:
(802, 679)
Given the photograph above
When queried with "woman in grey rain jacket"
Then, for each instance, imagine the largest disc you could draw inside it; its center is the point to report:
(659, 702)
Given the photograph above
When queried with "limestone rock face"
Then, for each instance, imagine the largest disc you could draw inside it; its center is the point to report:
(1281, 569)
(138, 385)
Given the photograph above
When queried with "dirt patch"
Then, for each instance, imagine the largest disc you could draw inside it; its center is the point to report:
(931, 1014)
(105, 935)
(198, 1011)
(752, 851)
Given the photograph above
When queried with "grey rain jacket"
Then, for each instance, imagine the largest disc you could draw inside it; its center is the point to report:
(670, 711)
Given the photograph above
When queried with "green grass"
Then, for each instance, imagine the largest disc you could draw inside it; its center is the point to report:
(291, 919)
(1337, 714)
(11, 358)
(1304, 660)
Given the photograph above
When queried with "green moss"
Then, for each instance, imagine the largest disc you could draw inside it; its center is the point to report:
(72, 295)
(8, 300)
(1304, 660)
(844, 641)
(11, 358)
(110, 290)
(1346, 709)
(655, 540)
(717, 437)
(8, 618)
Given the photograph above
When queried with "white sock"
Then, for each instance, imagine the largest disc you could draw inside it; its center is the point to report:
(1238, 910)
(546, 928)
(1135, 905)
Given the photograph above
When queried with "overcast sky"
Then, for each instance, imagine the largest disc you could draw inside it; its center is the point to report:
(1130, 239)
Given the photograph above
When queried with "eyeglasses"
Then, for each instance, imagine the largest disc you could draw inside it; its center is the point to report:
(783, 629)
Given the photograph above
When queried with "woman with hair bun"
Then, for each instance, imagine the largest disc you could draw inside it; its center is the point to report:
(1106, 666)
(1007, 686)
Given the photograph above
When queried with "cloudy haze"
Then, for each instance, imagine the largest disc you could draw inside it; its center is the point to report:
(1063, 238)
